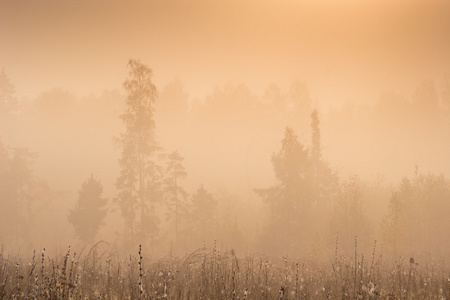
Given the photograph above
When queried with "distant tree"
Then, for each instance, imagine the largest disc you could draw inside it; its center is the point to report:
(417, 217)
(230, 104)
(393, 226)
(90, 210)
(325, 181)
(300, 100)
(19, 182)
(56, 103)
(8, 102)
(393, 109)
(23, 196)
(175, 194)
(172, 114)
(432, 211)
(445, 97)
(290, 200)
(174, 101)
(291, 162)
(349, 217)
(426, 103)
(316, 152)
(302, 195)
(325, 185)
(8, 198)
(203, 215)
(230, 214)
(4, 160)
(273, 95)
(299, 104)
(139, 180)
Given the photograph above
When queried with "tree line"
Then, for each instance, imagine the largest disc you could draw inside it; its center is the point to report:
(307, 206)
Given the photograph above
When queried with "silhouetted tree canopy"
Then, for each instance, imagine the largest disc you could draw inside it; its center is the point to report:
(203, 215)
(289, 201)
(418, 214)
(90, 210)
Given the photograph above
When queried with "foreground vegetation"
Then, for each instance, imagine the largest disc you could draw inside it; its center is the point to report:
(211, 274)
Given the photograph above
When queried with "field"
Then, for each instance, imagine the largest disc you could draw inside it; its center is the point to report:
(211, 274)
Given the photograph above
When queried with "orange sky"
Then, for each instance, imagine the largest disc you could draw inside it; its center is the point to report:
(350, 50)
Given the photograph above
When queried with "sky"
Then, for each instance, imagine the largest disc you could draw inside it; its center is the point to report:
(345, 50)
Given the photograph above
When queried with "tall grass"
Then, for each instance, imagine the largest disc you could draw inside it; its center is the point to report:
(212, 274)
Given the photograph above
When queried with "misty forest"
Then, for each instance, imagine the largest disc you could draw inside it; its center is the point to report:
(232, 150)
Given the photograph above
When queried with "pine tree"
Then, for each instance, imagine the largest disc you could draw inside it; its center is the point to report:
(204, 215)
(176, 195)
(289, 201)
(325, 181)
(90, 210)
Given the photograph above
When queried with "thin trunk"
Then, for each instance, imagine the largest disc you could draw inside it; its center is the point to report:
(176, 212)
(395, 237)
(141, 182)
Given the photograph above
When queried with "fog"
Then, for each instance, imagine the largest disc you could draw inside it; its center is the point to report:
(272, 127)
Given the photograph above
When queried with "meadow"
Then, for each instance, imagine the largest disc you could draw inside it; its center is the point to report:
(211, 274)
